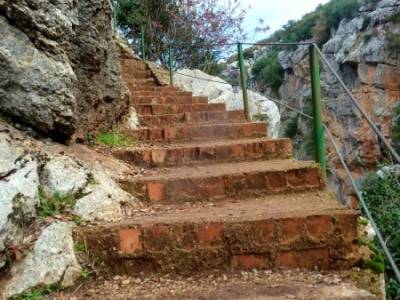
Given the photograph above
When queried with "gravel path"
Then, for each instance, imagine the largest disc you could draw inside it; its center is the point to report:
(277, 285)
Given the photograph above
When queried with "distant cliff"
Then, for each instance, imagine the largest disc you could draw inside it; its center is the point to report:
(364, 48)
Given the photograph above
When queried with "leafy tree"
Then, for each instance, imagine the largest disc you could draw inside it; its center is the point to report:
(196, 29)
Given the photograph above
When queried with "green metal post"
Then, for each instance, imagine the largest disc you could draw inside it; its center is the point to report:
(143, 43)
(243, 82)
(317, 111)
(171, 74)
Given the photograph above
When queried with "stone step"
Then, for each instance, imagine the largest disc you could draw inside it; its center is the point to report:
(233, 116)
(219, 181)
(139, 74)
(133, 65)
(141, 82)
(206, 152)
(156, 92)
(307, 230)
(163, 109)
(199, 132)
(150, 100)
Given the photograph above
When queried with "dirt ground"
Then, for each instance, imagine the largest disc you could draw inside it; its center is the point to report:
(277, 285)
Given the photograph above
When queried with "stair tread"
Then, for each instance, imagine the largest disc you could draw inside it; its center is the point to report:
(195, 112)
(278, 206)
(208, 143)
(194, 125)
(220, 169)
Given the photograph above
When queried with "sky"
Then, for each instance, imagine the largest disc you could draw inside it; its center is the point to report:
(275, 13)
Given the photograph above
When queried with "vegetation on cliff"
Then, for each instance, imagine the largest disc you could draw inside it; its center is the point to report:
(317, 24)
(382, 194)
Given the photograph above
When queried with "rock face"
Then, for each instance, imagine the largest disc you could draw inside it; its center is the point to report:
(219, 91)
(60, 72)
(19, 180)
(27, 164)
(52, 260)
(361, 52)
(364, 51)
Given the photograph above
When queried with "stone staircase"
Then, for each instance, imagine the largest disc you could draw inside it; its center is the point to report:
(222, 194)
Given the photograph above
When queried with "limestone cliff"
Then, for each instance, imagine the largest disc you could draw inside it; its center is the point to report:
(364, 49)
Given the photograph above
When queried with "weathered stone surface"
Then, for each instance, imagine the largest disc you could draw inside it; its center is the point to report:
(34, 87)
(63, 175)
(19, 180)
(60, 71)
(25, 164)
(105, 200)
(220, 91)
(346, 292)
(52, 261)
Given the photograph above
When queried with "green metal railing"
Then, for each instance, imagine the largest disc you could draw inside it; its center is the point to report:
(319, 140)
(243, 82)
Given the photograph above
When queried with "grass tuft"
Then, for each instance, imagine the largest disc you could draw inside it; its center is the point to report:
(114, 139)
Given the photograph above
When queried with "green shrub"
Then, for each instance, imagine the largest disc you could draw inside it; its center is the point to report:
(396, 126)
(367, 37)
(382, 195)
(290, 127)
(269, 71)
(318, 23)
(395, 18)
(366, 22)
(248, 53)
(114, 139)
(393, 41)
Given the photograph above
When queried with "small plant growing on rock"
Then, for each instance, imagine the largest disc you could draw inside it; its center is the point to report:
(114, 139)
(38, 293)
(56, 204)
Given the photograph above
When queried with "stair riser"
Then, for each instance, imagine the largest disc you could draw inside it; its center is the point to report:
(134, 83)
(132, 67)
(176, 109)
(315, 241)
(192, 118)
(181, 190)
(137, 74)
(151, 158)
(154, 92)
(229, 131)
(170, 100)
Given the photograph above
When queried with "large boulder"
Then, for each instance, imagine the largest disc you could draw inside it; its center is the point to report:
(220, 91)
(59, 66)
(51, 261)
(32, 253)
(19, 180)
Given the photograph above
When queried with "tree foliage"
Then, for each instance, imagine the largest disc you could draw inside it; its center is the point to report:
(319, 23)
(196, 29)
